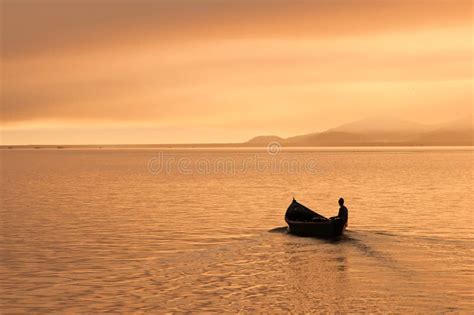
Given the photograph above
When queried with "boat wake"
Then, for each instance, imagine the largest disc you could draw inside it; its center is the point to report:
(282, 230)
(360, 241)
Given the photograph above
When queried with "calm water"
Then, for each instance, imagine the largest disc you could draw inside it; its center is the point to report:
(200, 230)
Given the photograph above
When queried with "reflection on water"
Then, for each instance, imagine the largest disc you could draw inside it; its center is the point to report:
(90, 230)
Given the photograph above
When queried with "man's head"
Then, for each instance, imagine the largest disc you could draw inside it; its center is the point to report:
(341, 201)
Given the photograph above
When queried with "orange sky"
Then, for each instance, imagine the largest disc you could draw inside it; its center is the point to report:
(223, 71)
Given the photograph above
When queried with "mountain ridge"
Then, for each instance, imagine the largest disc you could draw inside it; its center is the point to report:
(381, 131)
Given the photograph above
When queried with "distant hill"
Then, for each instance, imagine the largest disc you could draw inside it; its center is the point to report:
(458, 132)
(382, 124)
(265, 140)
(382, 131)
(328, 138)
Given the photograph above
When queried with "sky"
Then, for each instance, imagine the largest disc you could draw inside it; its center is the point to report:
(205, 71)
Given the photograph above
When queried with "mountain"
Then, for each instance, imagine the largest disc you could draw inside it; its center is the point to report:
(382, 131)
(458, 132)
(265, 140)
(328, 138)
(383, 124)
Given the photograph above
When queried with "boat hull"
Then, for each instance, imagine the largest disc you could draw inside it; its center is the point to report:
(330, 228)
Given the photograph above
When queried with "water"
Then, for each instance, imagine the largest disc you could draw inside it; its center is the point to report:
(168, 230)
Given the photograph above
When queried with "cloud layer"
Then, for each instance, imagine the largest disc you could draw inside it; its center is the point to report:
(235, 67)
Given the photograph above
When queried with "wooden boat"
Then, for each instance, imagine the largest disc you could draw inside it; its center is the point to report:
(302, 221)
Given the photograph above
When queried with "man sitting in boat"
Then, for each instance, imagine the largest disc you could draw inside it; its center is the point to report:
(343, 212)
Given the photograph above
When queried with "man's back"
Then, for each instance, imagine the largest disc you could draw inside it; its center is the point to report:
(343, 213)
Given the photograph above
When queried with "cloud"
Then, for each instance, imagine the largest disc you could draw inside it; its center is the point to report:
(32, 27)
(268, 66)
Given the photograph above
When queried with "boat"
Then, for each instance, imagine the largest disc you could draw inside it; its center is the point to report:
(303, 221)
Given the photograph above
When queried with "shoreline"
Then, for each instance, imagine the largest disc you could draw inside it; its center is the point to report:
(229, 146)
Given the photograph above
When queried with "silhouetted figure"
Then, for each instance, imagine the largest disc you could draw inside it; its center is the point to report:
(343, 212)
